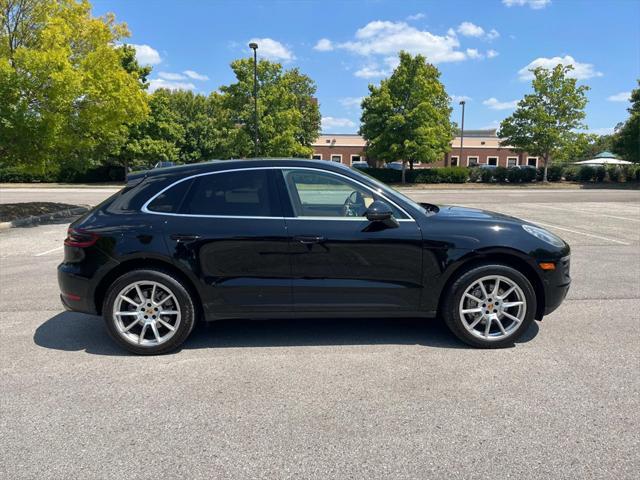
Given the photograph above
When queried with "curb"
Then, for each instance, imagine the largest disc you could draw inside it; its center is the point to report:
(44, 218)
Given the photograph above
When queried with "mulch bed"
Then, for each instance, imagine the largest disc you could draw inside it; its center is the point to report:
(12, 211)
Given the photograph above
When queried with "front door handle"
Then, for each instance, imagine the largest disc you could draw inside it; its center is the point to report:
(184, 238)
(309, 239)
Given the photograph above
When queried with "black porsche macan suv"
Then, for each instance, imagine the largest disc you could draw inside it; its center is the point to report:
(301, 238)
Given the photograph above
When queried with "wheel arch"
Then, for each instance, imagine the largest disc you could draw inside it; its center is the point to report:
(510, 258)
(144, 263)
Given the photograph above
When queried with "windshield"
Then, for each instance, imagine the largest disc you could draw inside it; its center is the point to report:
(391, 191)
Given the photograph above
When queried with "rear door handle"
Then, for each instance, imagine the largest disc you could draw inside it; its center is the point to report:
(183, 238)
(309, 239)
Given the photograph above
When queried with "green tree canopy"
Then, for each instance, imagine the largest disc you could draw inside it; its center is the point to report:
(64, 92)
(288, 114)
(545, 120)
(407, 117)
(627, 137)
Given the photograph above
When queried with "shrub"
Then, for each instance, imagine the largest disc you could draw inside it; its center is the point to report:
(486, 175)
(514, 175)
(600, 174)
(528, 174)
(614, 173)
(386, 175)
(500, 174)
(454, 174)
(475, 175)
(586, 174)
(554, 173)
(571, 173)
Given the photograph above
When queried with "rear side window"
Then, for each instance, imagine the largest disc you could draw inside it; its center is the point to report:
(243, 193)
(171, 199)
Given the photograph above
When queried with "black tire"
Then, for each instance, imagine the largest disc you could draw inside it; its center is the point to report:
(450, 305)
(179, 290)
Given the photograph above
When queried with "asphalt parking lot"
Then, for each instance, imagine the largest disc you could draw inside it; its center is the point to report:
(333, 398)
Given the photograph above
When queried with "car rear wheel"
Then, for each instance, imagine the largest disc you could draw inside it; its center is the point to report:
(148, 312)
(490, 306)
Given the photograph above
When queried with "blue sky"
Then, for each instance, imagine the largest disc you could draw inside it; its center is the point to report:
(482, 47)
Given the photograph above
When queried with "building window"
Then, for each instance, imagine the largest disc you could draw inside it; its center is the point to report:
(336, 158)
(512, 161)
(454, 161)
(532, 161)
(492, 161)
(472, 161)
(355, 158)
(317, 156)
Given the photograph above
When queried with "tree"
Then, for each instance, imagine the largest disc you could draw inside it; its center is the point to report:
(407, 117)
(582, 146)
(64, 93)
(288, 114)
(627, 136)
(545, 120)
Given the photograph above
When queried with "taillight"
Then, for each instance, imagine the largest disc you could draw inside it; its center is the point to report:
(80, 238)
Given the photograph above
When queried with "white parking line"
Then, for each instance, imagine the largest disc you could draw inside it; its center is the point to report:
(587, 213)
(48, 251)
(579, 233)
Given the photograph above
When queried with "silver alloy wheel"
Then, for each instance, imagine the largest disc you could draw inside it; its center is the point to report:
(146, 313)
(493, 307)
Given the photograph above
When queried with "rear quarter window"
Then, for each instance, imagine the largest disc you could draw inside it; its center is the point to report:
(171, 200)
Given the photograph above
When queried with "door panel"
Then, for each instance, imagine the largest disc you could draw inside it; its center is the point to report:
(242, 265)
(230, 232)
(354, 265)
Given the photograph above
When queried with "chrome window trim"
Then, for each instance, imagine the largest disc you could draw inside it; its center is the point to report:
(145, 206)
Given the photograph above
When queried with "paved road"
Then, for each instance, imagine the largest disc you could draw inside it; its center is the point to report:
(334, 398)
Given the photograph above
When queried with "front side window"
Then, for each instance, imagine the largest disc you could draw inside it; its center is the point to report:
(243, 193)
(322, 194)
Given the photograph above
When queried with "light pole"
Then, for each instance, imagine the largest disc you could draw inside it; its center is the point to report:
(462, 102)
(254, 46)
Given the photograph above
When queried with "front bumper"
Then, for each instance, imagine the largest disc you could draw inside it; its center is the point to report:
(556, 284)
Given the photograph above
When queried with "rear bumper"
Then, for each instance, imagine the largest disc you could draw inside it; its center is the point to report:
(556, 285)
(75, 292)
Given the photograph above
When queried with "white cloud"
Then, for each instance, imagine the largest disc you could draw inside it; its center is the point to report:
(491, 126)
(474, 53)
(156, 83)
(459, 98)
(388, 38)
(273, 50)
(469, 29)
(602, 131)
(171, 76)
(371, 71)
(620, 97)
(580, 71)
(351, 102)
(495, 104)
(534, 4)
(492, 53)
(329, 123)
(146, 55)
(417, 16)
(195, 75)
(324, 45)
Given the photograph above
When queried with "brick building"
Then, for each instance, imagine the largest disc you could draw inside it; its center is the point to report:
(479, 147)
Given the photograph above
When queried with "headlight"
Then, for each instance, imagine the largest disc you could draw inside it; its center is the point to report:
(544, 235)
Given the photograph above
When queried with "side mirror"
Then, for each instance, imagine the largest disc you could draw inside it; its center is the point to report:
(379, 211)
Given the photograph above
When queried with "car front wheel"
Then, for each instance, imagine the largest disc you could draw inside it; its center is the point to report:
(490, 306)
(148, 312)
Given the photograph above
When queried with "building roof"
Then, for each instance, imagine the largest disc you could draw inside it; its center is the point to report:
(472, 139)
(606, 155)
